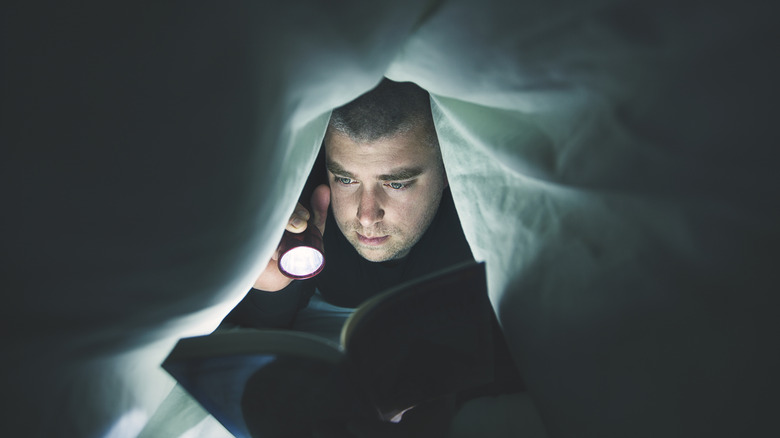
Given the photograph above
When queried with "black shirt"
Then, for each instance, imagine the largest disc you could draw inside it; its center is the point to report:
(348, 279)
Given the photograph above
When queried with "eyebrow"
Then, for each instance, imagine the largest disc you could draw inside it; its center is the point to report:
(336, 169)
(396, 175)
(402, 174)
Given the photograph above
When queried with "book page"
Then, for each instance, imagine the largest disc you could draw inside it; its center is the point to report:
(423, 340)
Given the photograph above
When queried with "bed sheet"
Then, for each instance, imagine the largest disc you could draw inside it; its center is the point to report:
(613, 163)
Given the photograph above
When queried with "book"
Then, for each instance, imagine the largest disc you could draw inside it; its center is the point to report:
(410, 345)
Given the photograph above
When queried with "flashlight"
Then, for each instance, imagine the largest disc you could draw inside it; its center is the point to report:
(302, 255)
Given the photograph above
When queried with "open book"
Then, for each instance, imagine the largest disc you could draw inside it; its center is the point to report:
(407, 346)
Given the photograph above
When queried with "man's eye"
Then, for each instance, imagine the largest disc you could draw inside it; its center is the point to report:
(345, 181)
(396, 186)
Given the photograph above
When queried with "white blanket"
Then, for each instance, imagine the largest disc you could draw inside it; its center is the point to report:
(612, 162)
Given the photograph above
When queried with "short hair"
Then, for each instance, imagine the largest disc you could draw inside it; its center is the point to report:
(390, 108)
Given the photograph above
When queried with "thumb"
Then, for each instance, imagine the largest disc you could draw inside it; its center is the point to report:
(320, 199)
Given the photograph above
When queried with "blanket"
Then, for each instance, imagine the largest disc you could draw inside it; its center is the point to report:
(612, 162)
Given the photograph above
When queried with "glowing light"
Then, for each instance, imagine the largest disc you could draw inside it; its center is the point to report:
(301, 261)
(302, 254)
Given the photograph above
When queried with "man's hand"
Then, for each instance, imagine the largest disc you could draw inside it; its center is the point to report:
(271, 280)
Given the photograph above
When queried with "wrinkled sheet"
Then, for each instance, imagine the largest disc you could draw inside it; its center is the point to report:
(612, 162)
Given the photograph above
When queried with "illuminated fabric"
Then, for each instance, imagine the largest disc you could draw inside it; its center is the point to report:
(613, 162)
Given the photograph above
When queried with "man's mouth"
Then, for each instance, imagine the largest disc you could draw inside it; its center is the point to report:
(371, 241)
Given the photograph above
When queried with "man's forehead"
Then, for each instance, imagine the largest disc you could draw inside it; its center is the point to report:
(397, 157)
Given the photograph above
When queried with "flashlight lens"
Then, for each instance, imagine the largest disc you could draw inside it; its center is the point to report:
(301, 261)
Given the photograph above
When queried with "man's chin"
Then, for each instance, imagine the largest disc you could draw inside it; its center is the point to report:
(374, 254)
(377, 255)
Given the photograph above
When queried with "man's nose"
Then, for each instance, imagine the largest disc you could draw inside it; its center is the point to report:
(369, 208)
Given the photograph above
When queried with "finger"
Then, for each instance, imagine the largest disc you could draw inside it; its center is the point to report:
(320, 200)
(298, 219)
(271, 280)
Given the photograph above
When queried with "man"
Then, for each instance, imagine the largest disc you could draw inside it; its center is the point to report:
(386, 215)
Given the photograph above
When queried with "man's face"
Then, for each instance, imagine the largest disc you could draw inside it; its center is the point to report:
(384, 194)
